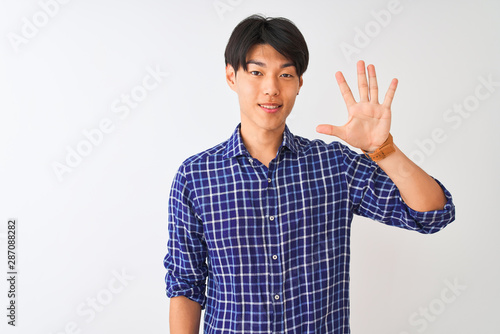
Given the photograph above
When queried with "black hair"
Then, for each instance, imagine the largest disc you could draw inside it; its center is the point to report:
(280, 33)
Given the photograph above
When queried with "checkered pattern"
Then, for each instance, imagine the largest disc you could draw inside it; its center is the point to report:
(274, 242)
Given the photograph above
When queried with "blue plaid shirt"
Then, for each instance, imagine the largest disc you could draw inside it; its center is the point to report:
(274, 242)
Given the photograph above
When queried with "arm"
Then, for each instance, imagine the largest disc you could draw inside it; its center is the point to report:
(419, 191)
(184, 316)
(185, 260)
(368, 127)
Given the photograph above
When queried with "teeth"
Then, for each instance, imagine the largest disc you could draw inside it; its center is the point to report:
(269, 107)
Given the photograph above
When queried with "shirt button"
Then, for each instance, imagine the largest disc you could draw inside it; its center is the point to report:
(251, 160)
(271, 218)
(276, 297)
(269, 180)
(275, 257)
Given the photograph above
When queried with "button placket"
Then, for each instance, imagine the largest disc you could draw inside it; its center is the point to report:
(275, 269)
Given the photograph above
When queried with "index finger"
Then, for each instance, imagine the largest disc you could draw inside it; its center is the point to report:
(344, 89)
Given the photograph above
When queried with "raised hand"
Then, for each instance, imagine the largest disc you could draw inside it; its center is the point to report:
(369, 121)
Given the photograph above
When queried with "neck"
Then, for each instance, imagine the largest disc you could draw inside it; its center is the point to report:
(262, 144)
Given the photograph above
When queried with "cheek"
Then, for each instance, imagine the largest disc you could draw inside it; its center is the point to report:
(247, 93)
(291, 96)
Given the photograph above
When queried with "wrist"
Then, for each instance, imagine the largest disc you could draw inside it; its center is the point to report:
(386, 149)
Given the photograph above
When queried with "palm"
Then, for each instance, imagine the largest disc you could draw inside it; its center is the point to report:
(369, 121)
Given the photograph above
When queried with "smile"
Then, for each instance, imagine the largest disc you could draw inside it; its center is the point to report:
(270, 107)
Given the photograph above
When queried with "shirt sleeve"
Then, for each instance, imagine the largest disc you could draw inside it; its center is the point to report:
(373, 195)
(186, 248)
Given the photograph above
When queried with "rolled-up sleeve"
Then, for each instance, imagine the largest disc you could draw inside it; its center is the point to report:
(373, 195)
(185, 260)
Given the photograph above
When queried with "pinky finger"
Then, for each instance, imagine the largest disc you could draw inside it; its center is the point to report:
(389, 96)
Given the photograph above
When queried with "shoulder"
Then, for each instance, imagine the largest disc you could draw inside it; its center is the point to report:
(332, 155)
(205, 158)
(317, 146)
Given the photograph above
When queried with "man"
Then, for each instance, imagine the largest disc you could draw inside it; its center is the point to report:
(259, 225)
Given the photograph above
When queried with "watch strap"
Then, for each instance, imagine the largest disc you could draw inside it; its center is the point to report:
(383, 151)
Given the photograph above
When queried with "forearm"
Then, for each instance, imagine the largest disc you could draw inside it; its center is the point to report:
(419, 191)
(184, 316)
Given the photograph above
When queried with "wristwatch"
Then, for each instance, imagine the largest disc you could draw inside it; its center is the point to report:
(383, 151)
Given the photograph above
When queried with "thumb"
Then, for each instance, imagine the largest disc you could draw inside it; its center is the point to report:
(332, 130)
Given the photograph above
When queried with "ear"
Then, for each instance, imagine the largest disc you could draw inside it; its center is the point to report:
(231, 77)
(301, 82)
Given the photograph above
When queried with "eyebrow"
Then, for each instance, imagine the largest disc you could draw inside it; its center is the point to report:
(261, 64)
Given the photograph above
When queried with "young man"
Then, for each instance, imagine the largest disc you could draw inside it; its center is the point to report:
(259, 225)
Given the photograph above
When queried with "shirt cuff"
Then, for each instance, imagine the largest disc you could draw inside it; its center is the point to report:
(176, 288)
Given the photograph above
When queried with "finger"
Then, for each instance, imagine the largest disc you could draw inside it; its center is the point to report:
(372, 76)
(362, 82)
(389, 96)
(344, 89)
(332, 130)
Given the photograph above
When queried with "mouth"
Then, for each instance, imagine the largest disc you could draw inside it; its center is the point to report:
(270, 107)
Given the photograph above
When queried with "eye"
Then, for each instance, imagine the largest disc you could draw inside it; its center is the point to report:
(286, 75)
(255, 73)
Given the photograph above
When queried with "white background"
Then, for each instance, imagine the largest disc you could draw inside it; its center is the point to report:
(108, 214)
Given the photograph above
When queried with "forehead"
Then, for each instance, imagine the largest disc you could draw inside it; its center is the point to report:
(265, 53)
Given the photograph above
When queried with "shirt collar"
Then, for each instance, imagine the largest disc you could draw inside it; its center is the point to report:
(235, 146)
(289, 141)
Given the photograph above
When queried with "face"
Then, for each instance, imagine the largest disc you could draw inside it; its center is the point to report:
(266, 91)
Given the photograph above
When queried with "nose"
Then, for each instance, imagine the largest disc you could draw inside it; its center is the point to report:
(271, 86)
